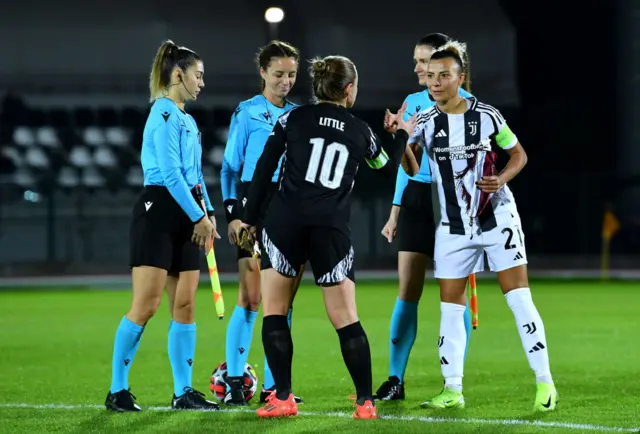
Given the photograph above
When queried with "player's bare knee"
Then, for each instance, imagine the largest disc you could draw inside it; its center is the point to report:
(453, 290)
(342, 317)
(183, 311)
(253, 300)
(411, 291)
(143, 309)
(249, 296)
(340, 303)
(513, 278)
(249, 265)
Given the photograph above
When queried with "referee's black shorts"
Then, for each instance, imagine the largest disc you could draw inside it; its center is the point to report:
(416, 228)
(243, 191)
(160, 233)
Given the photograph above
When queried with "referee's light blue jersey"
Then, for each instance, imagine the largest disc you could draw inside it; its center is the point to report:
(172, 155)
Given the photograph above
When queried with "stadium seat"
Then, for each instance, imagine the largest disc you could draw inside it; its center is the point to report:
(117, 136)
(80, 157)
(135, 177)
(92, 178)
(68, 177)
(93, 136)
(215, 156)
(24, 178)
(36, 158)
(23, 136)
(47, 136)
(105, 158)
(222, 135)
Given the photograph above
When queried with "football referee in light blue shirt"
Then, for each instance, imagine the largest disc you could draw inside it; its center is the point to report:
(251, 125)
(168, 227)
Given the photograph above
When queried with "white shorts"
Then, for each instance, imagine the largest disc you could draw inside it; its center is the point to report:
(457, 256)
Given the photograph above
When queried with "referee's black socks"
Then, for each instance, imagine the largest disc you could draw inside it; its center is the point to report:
(357, 356)
(278, 347)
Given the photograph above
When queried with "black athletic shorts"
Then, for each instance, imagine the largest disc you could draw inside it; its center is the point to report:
(416, 228)
(288, 242)
(160, 233)
(243, 190)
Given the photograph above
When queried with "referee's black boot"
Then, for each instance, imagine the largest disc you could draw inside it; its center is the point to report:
(235, 395)
(390, 390)
(193, 400)
(122, 402)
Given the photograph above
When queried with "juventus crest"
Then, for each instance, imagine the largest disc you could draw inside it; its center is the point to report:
(473, 127)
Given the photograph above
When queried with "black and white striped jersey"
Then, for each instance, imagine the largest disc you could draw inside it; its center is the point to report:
(461, 150)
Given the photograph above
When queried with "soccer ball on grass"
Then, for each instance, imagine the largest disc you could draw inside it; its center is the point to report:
(218, 383)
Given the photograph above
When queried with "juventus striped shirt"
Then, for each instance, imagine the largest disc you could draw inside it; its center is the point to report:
(461, 150)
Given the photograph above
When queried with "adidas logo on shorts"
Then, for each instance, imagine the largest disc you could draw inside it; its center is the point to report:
(518, 256)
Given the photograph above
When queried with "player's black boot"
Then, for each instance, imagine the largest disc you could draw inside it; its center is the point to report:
(193, 400)
(265, 393)
(390, 390)
(122, 401)
(235, 395)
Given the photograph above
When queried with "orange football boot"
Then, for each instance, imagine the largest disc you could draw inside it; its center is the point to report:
(278, 408)
(365, 411)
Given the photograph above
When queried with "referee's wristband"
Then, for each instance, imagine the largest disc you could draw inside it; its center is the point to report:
(231, 210)
(211, 213)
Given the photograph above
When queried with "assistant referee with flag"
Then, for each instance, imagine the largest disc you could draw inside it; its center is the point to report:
(167, 228)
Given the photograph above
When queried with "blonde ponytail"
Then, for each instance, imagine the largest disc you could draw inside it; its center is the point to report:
(157, 81)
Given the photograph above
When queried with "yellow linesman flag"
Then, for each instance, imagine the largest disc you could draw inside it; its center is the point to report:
(610, 225)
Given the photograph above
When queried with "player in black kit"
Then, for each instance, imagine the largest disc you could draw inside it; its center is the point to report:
(308, 218)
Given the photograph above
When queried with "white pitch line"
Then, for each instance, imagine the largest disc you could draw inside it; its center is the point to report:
(422, 419)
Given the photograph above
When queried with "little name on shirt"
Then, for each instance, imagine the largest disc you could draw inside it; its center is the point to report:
(333, 123)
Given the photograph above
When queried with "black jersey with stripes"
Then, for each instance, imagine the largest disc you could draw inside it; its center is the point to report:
(461, 150)
(323, 146)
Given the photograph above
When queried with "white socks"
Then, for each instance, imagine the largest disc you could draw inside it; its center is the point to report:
(451, 344)
(531, 331)
(453, 338)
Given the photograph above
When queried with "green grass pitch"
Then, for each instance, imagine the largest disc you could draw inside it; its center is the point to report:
(55, 362)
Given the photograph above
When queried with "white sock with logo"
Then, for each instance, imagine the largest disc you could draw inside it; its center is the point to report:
(531, 329)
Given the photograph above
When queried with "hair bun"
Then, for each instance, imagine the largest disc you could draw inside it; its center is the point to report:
(320, 68)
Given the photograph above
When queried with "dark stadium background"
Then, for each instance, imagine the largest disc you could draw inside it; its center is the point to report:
(564, 74)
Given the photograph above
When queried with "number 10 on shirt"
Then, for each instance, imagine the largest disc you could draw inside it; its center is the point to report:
(333, 151)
